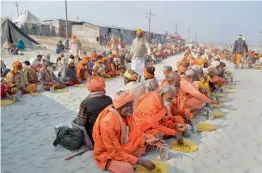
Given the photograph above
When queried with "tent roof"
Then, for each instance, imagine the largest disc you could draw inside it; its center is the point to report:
(28, 17)
(10, 32)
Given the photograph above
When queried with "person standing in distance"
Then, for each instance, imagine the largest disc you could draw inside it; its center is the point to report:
(138, 52)
(240, 48)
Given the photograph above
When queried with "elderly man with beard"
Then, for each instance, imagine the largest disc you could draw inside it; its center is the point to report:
(48, 78)
(152, 111)
(189, 99)
(118, 142)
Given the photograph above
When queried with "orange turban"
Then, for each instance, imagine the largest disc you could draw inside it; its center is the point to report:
(182, 69)
(139, 32)
(95, 84)
(73, 37)
(130, 76)
(147, 74)
(121, 98)
(16, 66)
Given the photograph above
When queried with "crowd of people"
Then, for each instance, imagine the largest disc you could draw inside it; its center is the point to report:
(145, 112)
(38, 74)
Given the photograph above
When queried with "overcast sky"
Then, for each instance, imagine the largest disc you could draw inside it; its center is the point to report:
(211, 21)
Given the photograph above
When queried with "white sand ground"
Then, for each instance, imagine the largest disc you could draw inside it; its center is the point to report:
(235, 147)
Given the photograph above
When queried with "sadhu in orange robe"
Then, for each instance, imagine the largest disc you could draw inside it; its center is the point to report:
(82, 70)
(108, 147)
(151, 115)
(188, 97)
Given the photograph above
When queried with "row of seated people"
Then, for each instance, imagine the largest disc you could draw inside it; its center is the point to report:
(141, 115)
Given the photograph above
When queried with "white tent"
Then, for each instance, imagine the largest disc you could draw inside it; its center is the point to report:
(28, 17)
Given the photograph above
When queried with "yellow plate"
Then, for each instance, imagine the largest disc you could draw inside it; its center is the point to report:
(33, 94)
(203, 127)
(79, 85)
(161, 167)
(223, 100)
(217, 94)
(61, 90)
(216, 106)
(7, 102)
(216, 114)
(230, 91)
(187, 147)
(231, 87)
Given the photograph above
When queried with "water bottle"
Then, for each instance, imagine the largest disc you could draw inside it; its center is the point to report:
(194, 126)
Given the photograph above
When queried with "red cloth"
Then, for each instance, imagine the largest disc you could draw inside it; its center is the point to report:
(4, 89)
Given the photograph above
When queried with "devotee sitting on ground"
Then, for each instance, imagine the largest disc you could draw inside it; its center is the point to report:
(83, 70)
(152, 111)
(5, 91)
(58, 60)
(93, 56)
(93, 104)
(189, 99)
(218, 81)
(150, 82)
(118, 142)
(168, 80)
(36, 62)
(31, 77)
(16, 80)
(67, 73)
(48, 78)
(99, 68)
(59, 47)
(131, 84)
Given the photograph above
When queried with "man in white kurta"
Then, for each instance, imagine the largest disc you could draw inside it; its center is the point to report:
(138, 53)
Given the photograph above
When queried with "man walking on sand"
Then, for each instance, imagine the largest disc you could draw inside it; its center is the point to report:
(240, 49)
(138, 52)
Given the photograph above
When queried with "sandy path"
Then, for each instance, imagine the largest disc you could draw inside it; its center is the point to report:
(236, 147)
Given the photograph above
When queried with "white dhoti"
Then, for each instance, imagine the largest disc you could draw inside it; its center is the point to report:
(138, 65)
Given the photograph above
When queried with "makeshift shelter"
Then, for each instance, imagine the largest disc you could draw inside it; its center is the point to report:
(27, 18)
(10, 33)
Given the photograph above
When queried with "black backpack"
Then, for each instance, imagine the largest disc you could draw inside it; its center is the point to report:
(69, 138)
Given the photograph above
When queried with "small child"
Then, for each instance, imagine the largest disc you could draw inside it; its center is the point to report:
(5, 91)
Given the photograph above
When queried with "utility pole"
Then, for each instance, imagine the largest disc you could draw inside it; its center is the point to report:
(16, 4)
(188, 34)
(195, 37)
(176, 29)
(66, 18)
(149, 16)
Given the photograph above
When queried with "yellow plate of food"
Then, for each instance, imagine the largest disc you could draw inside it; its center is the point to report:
(217, 94)
(7, 102)
(204, 127)
(187, 147)
(61, 90)
(216, 114)
(161, 167)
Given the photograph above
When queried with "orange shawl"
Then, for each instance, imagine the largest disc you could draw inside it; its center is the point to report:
(106, 135)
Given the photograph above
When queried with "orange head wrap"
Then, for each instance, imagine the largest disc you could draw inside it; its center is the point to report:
(95, 84)
(121, 98)
(182, 69)
(147, 73)
(16, 65)
(73, 37)
(130, 76)
(139, 32)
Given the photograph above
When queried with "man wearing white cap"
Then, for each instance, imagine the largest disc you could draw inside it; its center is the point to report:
(240, 47)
